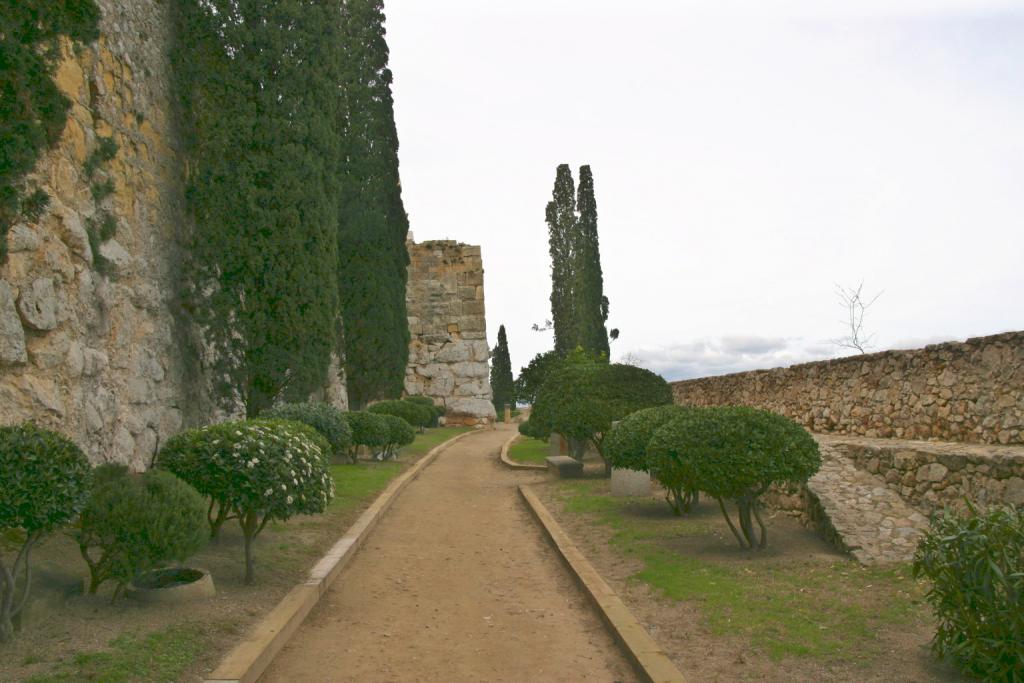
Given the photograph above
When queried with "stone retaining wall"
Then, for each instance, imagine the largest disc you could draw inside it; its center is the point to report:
(932, 475)
(969, 391)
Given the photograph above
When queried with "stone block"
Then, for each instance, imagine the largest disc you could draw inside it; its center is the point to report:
(630, 482)
(564, 467)
(38, 304)
(12, 334)
(22, 238)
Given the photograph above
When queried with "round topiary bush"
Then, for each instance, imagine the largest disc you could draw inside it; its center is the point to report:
(975, 563)
(626, 443)
(400, 433)
(736, 454)
(369, 430)
(44, 480)
(323, 417)
(626, 446)
(581, 399)
(436, 411)
(256, 470)
(134, 523)
(416, 415)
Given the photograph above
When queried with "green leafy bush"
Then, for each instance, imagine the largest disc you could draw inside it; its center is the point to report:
(255, 471)
(581, 399)
(415, 414)
(400, 433)
(427, 402)
(134, 523)
(368, 429)
(44, 479)
(976, 566)
(626, 446)
(736, 454)
(330, 422)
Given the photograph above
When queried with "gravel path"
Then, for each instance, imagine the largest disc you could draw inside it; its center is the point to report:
(455, 584)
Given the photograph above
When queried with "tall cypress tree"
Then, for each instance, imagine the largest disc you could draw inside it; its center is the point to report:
(372, 257)
(591, 306)
(502, 385)
(258, 88)
(561, 220)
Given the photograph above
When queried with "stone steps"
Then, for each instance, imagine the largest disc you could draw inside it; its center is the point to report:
(857, 511)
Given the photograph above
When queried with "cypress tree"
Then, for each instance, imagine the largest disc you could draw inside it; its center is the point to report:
(502, 385)
(561, 220)
(591, 306)
(258, 89)
(372, 257)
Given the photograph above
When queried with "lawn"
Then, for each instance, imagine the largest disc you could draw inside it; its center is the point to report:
(798, 611)
(75, 637)
(528, 451)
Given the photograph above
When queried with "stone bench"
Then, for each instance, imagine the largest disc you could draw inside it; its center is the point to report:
(564, 467)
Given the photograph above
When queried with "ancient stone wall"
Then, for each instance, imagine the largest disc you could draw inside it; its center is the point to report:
(448, 352)
(98, 352)
(971, 391)
(95, 355)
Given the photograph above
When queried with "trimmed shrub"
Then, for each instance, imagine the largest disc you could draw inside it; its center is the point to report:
(626, 446)
(976, 566)
(400, 433)
(413, 413)
(136, 523)
(736, 454)
(322, 417)
(582, 399)
(44, 479)
(368, 429)
(255, 470)
(427, 402)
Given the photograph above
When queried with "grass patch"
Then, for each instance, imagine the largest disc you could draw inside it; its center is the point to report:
(528, 451)
(429, 439)
(786, 607)
(159, 657)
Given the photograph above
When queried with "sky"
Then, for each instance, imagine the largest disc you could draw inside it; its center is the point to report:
(748, 157)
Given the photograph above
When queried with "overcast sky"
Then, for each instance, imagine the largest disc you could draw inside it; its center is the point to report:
(747, 157)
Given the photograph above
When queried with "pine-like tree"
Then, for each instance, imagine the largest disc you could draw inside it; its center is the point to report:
(502, 385)
(372, 257)
(561, 220)
(590, 304)
(258, 88)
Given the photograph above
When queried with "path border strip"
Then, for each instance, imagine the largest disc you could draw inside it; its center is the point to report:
(647, 657)
(509, 462)
(247, 661)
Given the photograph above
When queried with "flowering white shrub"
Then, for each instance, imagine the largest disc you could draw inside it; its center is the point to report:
(255, 471)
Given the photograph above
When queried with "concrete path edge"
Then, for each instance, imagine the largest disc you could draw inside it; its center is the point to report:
(649, 660)
(247, 661)
(509, 462)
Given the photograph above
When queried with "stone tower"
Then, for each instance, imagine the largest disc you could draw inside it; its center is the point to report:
(448, 351)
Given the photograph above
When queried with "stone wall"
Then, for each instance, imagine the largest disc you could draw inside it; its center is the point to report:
(448, 352)
(101, 356)
(98, 356)
(971, 392)
(932, 475)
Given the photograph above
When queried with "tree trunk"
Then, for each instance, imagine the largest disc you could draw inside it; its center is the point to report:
(6, 604)
(249, 530)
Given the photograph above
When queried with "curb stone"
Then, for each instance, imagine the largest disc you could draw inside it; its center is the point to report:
(647, 657)
(509, 462)
(247, 661)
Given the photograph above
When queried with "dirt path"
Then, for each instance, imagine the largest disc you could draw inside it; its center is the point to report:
(455, 584)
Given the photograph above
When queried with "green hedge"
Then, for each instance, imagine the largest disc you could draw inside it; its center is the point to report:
(415, 414)
(976, 567)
